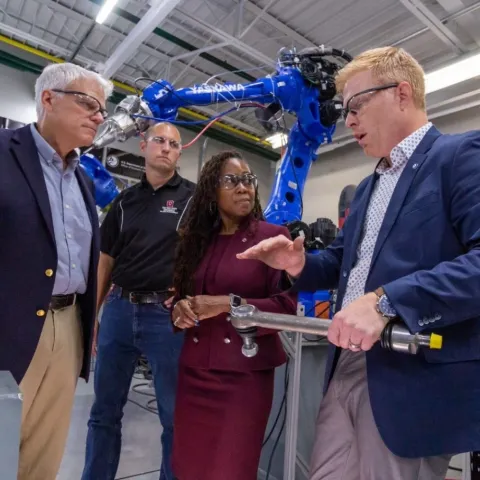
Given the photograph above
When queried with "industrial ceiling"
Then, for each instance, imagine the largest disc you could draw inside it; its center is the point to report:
(195, 41)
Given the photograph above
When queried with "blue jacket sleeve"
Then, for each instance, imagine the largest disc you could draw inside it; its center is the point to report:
(321, 271)
(449, 292)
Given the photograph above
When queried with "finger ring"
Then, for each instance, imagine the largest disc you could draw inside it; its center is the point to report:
(353, 345)
(176, 321)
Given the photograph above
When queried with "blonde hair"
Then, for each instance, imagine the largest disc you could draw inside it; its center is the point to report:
(387, 64)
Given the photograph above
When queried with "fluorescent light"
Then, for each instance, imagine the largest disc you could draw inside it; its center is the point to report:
(105, 10)
(278, 140)
(451, 74)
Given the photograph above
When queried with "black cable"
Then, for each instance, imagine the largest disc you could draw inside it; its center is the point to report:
(139, 385)
(142, 406)
(455, 469)
(137, 475)
(281, 405)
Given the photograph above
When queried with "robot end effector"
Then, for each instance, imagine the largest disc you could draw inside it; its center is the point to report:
(246, 319)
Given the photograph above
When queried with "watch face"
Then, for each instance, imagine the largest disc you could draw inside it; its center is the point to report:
(235, 300)
(386, 307)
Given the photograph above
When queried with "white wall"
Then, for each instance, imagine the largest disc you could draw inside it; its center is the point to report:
(348, 165)
(17, 102)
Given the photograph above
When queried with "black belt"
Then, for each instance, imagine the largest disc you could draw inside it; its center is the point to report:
(58, 302)
(146, 297)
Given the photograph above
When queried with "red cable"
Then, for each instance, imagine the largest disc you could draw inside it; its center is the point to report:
(246, 104)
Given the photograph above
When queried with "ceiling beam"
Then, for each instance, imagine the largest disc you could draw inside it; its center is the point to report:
(468, 22)
(282, 27)
(417, 8)
(225, 37)
(140, 32)
(144, 48)
(257, 18)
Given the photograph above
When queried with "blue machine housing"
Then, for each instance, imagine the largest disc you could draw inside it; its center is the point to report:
(290, 87)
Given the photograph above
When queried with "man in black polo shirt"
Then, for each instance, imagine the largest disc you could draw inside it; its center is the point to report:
(138, 239)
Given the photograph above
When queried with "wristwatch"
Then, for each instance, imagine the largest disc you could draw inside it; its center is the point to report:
(384, 307)
(235, 300)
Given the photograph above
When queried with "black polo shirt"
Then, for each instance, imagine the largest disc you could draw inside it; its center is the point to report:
(140, 233)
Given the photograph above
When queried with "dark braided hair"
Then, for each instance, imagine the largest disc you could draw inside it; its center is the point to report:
(202, 223)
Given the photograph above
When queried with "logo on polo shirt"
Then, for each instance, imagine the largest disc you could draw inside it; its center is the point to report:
(169, 208)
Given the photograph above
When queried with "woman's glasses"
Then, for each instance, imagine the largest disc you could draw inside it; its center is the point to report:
(230, 181)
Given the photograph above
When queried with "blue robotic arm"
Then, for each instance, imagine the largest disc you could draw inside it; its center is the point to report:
(303, 85)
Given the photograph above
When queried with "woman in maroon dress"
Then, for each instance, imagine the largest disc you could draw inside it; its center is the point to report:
(223, 398)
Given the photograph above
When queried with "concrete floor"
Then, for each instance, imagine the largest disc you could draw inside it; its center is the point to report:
(141, 453)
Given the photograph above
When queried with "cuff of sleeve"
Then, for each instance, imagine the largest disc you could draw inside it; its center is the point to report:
(303, 281)
(402, 298)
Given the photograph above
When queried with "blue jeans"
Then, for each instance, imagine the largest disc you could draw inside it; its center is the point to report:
(126, 331)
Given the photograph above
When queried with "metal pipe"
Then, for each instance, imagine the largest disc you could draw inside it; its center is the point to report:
(395, 337)
(82, 41)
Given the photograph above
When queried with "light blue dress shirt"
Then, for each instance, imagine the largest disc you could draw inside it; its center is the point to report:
(71, 221)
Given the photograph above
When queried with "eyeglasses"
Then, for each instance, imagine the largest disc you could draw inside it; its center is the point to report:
(87, 102)
(357, 101)
(174, 145)
(230, 181)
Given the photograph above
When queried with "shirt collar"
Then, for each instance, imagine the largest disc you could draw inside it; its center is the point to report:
(402, 152)
(173, 182)
(48, 153)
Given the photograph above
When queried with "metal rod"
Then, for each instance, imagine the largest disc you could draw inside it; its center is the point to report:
(395, 337)
(291, 430)
(279, 321)
(82, 41)
(198, 51)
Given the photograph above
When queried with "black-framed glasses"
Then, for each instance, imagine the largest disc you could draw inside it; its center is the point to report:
(230, 181)
(358, 100)
(87, 102)
(159, 140)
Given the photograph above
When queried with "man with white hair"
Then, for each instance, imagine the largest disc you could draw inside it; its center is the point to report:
(49, 249)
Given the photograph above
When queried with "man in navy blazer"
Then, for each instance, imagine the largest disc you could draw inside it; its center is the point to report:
(409, 252)
(49, 247)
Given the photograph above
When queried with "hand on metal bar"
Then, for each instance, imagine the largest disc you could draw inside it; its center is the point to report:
(246, 318)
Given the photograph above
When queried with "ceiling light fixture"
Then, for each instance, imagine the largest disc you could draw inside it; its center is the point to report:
(456, 72)
(105, 10)
(278, 140)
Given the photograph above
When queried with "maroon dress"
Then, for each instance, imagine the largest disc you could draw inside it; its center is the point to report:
(223, 398)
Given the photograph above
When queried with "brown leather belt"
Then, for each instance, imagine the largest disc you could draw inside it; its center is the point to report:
(154, 298)
(58, 302)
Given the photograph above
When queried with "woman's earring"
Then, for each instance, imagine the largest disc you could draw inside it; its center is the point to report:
(212, 208)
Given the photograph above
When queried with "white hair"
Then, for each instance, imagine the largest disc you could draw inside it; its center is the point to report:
(60, 75)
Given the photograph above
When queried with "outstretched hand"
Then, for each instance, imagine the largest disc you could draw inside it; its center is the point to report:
(280, 253)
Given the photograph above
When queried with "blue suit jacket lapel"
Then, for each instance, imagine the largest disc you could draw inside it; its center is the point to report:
(403, 186)
(25, 151)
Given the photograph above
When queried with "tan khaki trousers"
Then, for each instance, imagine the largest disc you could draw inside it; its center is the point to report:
(348, 445)
(48, 390)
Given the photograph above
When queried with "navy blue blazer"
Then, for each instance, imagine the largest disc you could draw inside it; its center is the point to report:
(28, 250)
(427, 258)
